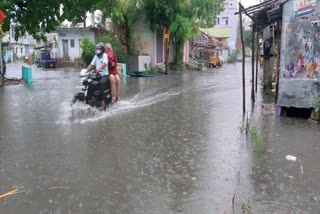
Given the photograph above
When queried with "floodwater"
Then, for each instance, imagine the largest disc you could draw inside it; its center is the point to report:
(175, 144)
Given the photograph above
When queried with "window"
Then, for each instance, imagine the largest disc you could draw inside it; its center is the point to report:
(21, 50)
(218, 21)
(72, 43)
(227, 21)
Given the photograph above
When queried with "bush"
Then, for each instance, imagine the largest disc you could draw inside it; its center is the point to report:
(151, 69)
(88, 50)
(15, 57)
(232, 58)
(116, 46)
(200, 66)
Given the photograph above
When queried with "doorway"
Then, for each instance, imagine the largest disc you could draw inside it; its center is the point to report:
(65, 49)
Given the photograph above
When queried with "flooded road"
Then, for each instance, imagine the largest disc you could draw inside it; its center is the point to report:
(174, 144)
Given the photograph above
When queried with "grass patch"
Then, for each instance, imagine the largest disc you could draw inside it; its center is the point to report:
(251, 129)
(246, 208)
(151, 69)
(316, 106)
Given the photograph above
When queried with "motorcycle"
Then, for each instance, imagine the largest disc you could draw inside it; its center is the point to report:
(92, 94)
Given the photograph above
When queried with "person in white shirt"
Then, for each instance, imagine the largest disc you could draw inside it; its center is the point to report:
(100, 63)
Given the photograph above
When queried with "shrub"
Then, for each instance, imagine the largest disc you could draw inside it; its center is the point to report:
(200, 66)
(88, 50)
(232, 58)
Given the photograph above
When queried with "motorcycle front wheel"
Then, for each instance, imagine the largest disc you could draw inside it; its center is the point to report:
(78, 98)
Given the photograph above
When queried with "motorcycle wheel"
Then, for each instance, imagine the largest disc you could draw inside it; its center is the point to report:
(77, 98)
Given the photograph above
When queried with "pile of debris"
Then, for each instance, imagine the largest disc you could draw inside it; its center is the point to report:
(13, 81)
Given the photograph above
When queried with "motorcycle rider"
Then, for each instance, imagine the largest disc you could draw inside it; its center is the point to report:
(100, 63)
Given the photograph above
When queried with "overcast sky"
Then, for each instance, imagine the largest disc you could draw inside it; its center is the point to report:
(247, 3)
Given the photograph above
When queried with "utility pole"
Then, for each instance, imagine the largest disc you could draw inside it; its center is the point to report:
(252, 63)
(243, 62)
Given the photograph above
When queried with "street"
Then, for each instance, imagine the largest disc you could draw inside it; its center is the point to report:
(173, 144)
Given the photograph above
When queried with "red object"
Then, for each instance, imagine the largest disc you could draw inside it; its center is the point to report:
(112, 57)
(2, 16)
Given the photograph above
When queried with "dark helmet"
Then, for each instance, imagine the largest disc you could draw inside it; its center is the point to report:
(99, 49)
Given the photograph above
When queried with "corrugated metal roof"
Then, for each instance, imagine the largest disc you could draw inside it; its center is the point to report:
(221, 32)
(205, 40)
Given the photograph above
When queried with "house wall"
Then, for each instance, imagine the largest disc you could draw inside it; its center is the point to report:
(21, 47)
(147, 43)
(146, 39)
(227, 18)
(75, 34)
(299, 83)
(19, 50)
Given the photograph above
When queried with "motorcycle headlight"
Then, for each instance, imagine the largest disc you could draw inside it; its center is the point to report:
(84, 72)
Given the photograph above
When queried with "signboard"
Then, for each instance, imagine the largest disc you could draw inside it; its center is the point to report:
(166, 33)
(304, 7)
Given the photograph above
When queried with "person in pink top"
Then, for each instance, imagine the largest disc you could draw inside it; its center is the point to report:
(114, 76)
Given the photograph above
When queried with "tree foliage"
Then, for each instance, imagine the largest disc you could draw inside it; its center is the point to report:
(123, 14)
(247, 38)
(116, 46)
(183, 17)
(38, 17)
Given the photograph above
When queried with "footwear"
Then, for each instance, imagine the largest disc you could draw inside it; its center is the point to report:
(117, 99)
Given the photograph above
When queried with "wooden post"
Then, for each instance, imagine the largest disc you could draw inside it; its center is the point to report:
(243, 62)
(257, 59)
(166, 37)
(278, 59)
(252, 63)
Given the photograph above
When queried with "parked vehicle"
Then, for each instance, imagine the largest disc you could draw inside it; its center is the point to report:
(46, 60)
(239, 57)
(214, 59)
(92, 94)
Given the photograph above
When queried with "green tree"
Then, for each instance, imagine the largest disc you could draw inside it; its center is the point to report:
(182, 17)
(247, 38)
(123, 14)
(38, 17)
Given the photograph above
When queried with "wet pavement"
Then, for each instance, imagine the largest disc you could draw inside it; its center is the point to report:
(174, 144)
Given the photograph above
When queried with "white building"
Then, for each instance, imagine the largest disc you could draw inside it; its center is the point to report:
(21, 47)
(227, 24)
(25, 45)
(69, 41)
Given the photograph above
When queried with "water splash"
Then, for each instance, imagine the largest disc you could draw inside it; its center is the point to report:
(81, 113)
